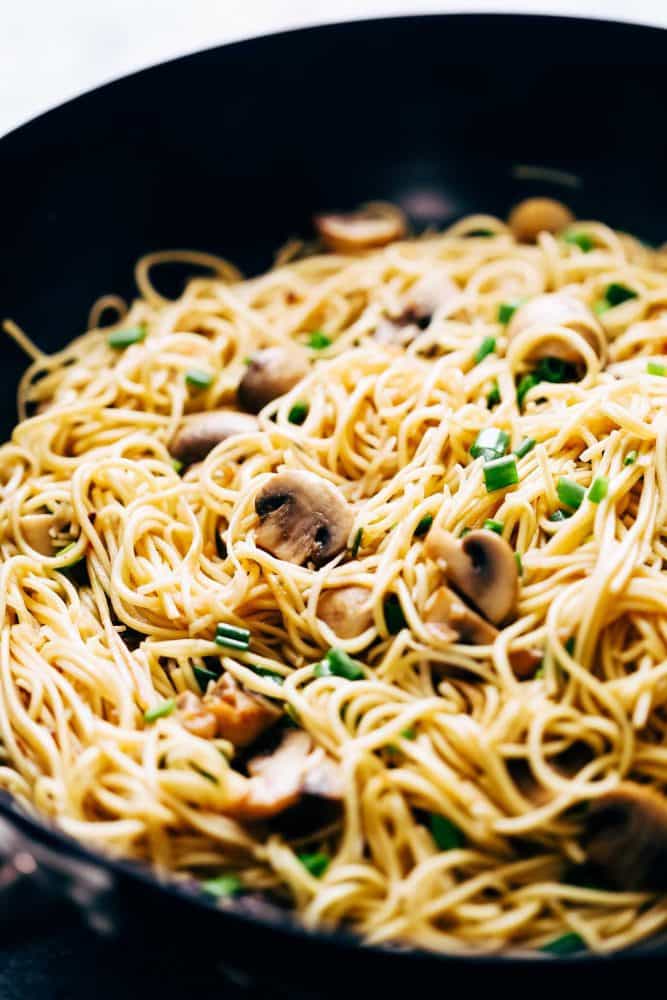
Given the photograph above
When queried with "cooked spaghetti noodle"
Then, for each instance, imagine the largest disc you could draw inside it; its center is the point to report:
(458, 827)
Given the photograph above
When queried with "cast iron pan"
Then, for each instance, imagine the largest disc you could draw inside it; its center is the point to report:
(231, 151)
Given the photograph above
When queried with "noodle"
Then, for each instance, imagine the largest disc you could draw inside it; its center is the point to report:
(121, 616)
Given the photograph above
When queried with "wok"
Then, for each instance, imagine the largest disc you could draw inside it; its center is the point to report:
(231, 151)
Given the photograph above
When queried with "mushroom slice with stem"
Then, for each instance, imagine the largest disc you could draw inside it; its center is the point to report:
(626, 836)
(373, 225)
(482, 567)
(199, 434)
(558, 309)
(450, 618)
(538, 215)
(45, 533)
(303, 518)
(270, 373)
(240, 715)
(346, 610)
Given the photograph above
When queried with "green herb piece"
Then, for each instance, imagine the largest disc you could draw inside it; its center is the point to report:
(500, 473)
(124, 338)
(160, 711)
(601, 306)
(293, 716)
(539, 672)
(338, 664)
(555, 370)
(493, 397)
(231, 636)
(569, 645)
(655, 368)
(570, 493)
(356, 543)
(616, 293)
(409, 734)
(487, 346)
(480, 232)
(247, 361)
(64, 551)
(568, 944)
(203, 677)
(198, 378)
(560, 515)
(446, 835)
(492, 525)
(581, 240)
(393, 614)
(490, 443)
(270, 675)
(525, 447)
(176, 465)
(526, 383)
(224, 885)
(631, 457)
(598, 490)
(316, 864)
(298, 413)
(519, 563)
(507, 309)
(423, 526)
(318, 340)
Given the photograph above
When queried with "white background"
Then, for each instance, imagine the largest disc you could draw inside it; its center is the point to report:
(51, 50)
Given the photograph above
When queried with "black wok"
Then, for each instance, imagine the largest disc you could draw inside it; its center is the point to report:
(231, 151)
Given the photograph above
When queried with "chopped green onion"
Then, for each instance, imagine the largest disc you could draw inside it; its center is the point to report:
(480, 232)
(292, 715)
(423, 526)
(446, 835)
(63, 551)
(124, 338)
(581, 240)
(554, 370)
(569, 645)
(318, 340)
(493, 397)
(490, 443)
(247, 361)
(519, 563)
(270, 675)
(337, 663)
(492, 525)
(616, 293)
(298, 413)
(393, 614)
(565, 945)
(409, 734)
(507, 309)
(500, 473)
(198, 378)
(487, 346)
(560, 515)
(356, 543)
(160, 711)
(525, 447)
(569, 492)
(598, 490)
(655, 368)
(176, 465)
(205, 774)
(600, 307)
(539, 672)
(316, 864)
(203, 677)
(526, 383)
(231, 636)
(223, 885)
(630, 458)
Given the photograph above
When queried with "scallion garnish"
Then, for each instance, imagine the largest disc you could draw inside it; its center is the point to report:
(554, 370)
(493, 397)
(569, 645)
(630, 458)
(393, 614)
(316, 864)
(490, 443)
(525, 447)
(616, 293)
(581, 240)
(507, 309)
(204, 677)
(124, 338)
(160, 711)
(224, 885)
(655, 368)
(492, 525)
(446, 835)
(569, 492)
(519, 563)
(356, 543)
(318, 340)
(601, 306)
(176, 465)
(568, 944)
(526, 383)
(198, 378)
(487, 346)
(231, 636)
(560, 515)
(598, 489)
(298, 413)
(423, 526)
(337, 663)
(500, 473)
(480, 232)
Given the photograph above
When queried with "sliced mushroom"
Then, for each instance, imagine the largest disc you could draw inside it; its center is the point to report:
(372, 225)
(346, 611)
(450, 618)
(270, 374)
(626, 836)
(482, 567)
(303, 518)
(42, 531)
(558, 309)
(567, 764)
(195, 718)
(279, 780)
(538, 215)
(240, 715)
(199, 434)
(525, 662)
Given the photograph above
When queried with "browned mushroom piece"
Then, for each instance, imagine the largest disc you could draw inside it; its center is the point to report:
(200, 433)
(270, 374)
(525, 662)
(538, 215)
(450, 618)
(372, 225)
(303, 518)
(278, 780)
(626, 836)
(45, 533)
(566, 764)
(482, 567)
(558, 309)
(240, 715)
(195, 718)
(346, 611)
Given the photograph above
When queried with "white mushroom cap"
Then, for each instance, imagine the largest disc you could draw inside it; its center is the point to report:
(538, 215)
(373, 225)
(200, 433)
(271, 373)
(346, 610)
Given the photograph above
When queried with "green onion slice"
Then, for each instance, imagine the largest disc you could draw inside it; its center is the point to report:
(298, 413)
(490, 443)
(631, 457)
(487, 347)
(393, 614)
(318, 340)
(598, 489)
(507, 309)
(525, 447)
(125, 338)
(615, 293)
(198, 378)
(493, 397)
(224, 885)
(655, 368)
(356, 543)
(316, 863)
(492, 525)
(581, 240)
(423, 526)
(337, 663)
(500, 473)
(160, 711)
(568, 944)
(570, 493)
(446, 835)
